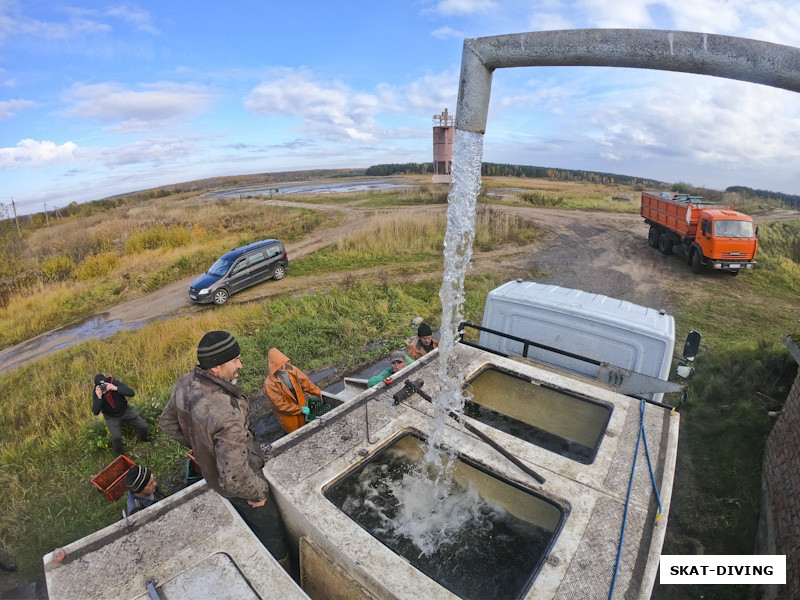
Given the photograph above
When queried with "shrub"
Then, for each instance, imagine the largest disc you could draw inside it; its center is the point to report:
(541, 199)
(58, 268)
(97, 265)
(158, 237)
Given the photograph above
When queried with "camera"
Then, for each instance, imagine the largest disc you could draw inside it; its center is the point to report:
(103, 386)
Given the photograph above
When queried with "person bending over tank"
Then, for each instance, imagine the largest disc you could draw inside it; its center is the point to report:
(111, 397)
(419, 346)
(208, 412)
(398, 360)
(143, 490)
(287, 388)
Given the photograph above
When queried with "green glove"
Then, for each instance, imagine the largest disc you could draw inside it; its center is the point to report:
(305, 410)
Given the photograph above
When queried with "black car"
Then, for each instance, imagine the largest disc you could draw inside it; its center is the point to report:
(240, 269)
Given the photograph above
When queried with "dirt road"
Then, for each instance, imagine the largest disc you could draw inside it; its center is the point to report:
(605, 253)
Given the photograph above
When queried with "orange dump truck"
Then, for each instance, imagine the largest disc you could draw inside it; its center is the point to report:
(712, 236)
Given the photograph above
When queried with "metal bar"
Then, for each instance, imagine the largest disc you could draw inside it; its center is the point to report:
(482, 436)
(725, 56)
(526, 343)
(151, 589)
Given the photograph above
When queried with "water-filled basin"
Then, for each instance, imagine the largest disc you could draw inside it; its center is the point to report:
(477, 535)
(551, 418)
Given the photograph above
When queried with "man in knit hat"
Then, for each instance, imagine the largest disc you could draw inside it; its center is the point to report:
(142, 489)
(419, 346)
(208, 412)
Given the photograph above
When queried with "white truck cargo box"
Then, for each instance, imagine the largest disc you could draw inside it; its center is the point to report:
(598, 327)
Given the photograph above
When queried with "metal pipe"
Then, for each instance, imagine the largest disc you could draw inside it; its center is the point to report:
(513, 459)
(725, 56)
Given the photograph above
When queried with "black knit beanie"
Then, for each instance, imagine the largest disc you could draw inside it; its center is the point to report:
(137, 478)
(216, 348)
(424, 329)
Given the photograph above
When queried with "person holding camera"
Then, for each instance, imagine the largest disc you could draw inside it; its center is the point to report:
(111, 397)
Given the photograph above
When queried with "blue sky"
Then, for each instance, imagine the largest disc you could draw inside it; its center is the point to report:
(102, 98)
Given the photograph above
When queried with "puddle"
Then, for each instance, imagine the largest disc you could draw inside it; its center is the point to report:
(93, 327)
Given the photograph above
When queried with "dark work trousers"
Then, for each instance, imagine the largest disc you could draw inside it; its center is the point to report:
(114, 424)
(265, 521)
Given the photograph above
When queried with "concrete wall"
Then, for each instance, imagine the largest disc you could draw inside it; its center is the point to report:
(779, 529)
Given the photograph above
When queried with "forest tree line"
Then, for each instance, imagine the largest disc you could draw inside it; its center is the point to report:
(788, 200)
(506, 170)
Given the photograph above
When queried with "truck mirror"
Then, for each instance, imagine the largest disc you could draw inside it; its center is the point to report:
(692, 345)
(684, 371)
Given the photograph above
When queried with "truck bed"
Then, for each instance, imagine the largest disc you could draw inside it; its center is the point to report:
(671, 214)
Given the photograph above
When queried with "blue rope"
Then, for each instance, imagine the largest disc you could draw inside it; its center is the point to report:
(642, 436)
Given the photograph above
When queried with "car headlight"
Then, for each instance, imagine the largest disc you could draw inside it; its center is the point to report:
(203, 291)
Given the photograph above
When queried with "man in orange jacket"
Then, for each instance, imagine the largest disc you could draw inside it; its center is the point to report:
(286, 387)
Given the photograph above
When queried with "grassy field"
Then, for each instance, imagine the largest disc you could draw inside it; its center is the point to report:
(51, 445)
(83, 265)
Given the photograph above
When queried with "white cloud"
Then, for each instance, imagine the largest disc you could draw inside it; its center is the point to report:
(549, 22)
(31, 153)
(465, 7)
(709, 16)
(11, 108)
(14, 22)
(151, 104)
(447, 33)
(327, 110)
(719, 123)
(133, 14)
(332, 110)
(615, 14)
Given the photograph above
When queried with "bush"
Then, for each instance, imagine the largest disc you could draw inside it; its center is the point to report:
(58, 268)
(97, 265)
(541, 199)
(159, 237)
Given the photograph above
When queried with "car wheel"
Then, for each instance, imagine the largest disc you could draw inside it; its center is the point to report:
(665, 244)
(220, 297)
(279, 272)
(697, 261)
(652, 237)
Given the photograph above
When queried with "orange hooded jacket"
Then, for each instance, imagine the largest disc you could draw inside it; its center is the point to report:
(286, 402)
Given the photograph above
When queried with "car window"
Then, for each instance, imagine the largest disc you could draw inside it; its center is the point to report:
(274, 250)
(239, 266)
(256, 258)
(220, 267)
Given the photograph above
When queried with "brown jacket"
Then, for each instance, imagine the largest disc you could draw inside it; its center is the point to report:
(287, 402)
(210, 415)
(415, 350)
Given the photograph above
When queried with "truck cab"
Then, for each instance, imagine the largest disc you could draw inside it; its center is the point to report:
(726, 239)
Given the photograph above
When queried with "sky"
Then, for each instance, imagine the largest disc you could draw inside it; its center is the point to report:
(103, 98)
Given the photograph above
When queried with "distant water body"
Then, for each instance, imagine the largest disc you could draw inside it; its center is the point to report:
(334, 187)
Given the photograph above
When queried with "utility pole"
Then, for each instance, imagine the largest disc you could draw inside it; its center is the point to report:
(14, 206)
(46, 217)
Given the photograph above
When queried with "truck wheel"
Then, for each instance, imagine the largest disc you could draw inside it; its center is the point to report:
(652, 237)
(734, 272)
(220, 297)
(697, 261)
(665, 244)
